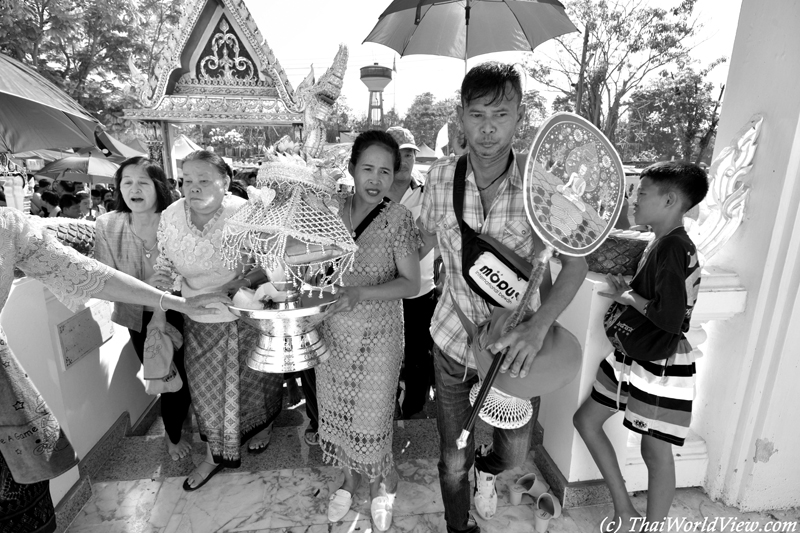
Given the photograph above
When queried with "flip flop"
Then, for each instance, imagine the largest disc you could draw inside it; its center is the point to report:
(263, 444)
(211, 474)
(311, 437)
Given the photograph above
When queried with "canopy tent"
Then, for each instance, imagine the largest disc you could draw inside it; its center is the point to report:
(425, 153)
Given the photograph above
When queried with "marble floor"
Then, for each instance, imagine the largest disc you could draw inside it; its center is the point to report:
(286, 489)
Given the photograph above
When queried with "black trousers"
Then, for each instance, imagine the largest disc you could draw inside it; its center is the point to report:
(418, 361)
(308, 382)
(174, 405)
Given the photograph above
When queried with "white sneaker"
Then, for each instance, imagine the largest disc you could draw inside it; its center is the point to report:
(381, 509)
(339, 504)
(485, 493)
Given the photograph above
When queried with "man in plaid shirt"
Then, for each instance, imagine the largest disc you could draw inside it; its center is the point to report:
(490, 113)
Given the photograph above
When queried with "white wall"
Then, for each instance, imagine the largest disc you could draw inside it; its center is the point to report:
(748, 380)
(88, 397)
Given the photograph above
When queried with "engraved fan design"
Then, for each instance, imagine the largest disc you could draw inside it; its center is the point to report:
(574, 184)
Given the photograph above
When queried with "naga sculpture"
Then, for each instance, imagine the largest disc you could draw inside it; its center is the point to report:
(317, 101)
(722, 211)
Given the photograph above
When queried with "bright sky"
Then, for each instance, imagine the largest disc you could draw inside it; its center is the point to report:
(311, 32)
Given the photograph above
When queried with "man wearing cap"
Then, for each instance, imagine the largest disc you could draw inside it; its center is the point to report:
(491, 112)
(407, 189)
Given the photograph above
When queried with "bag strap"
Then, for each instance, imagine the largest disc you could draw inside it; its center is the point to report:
(459, 186)
(469, 325)
(370, 217)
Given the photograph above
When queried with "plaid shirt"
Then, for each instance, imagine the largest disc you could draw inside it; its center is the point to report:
(506, 222)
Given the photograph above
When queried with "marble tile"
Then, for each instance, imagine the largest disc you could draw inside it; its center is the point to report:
(117, 506)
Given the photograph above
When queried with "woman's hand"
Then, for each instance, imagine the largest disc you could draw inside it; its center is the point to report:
(197, 305)
(160, 280)
(233, 286)
(348, 298)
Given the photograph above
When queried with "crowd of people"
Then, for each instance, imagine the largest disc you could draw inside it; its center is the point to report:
(167, 272)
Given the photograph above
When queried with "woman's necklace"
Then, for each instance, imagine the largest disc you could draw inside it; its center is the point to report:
(147, 251)
(350, 219)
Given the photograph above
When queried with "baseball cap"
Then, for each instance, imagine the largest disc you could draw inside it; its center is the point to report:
(403, 137)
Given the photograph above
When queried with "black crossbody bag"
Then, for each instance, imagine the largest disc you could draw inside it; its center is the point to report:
(491, 269)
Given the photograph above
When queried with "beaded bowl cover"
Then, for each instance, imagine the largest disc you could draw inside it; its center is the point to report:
(574, 185)
(291, 221)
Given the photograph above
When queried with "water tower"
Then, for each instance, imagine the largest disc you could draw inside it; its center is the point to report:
(376, 78)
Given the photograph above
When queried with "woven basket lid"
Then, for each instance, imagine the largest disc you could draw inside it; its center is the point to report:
(291, 171)
(556, 364)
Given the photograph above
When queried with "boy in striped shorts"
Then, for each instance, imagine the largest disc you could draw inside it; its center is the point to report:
(655, 395)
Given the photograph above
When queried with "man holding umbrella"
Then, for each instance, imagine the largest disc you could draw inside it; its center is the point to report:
(493, 205)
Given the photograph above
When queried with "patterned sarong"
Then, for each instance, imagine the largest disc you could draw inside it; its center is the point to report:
(24, 508)
(232, 402)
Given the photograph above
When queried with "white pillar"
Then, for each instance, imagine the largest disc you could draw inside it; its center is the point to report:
(749, 379)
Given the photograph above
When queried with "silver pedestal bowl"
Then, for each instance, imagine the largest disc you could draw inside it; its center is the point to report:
(289, 339)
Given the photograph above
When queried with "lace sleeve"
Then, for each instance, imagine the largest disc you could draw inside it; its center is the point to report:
(406, 239)
(163, 263)
(72, 277)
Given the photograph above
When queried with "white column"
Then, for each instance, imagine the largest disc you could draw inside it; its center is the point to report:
(749, 379)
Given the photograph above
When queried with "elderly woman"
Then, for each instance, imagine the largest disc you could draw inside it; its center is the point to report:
(126, 239)
(357, 385)
(26, 465)
(232, 402)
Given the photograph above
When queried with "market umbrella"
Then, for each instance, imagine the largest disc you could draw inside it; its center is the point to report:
(113, 147)
(80, 165)
(35, 114)
(469, 28)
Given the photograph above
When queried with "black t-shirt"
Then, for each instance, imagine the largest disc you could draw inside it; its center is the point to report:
(669, 276)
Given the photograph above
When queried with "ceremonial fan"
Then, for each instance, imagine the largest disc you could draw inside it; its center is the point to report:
(574, 187)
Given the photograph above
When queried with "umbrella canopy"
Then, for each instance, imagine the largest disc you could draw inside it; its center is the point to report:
(36, 114)
(91, 164)
(115, 147)
(469, 28)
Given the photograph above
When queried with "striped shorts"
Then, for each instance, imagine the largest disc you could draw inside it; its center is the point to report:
(655, 395)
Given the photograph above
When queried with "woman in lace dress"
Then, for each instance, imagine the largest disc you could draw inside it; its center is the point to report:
(126, 239)
(364, 332)
(26, 464)
(232, 402)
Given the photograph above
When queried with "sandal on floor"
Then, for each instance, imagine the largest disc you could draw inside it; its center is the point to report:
(261, 444)
(339, 504)
(311, 437)
(529, 484)
(381, 509)
(547, 508)
(189, 488)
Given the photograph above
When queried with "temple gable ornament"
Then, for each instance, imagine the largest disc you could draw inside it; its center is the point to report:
(722, 211)
(217, 68)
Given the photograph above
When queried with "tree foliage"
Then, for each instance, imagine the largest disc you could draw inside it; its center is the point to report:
(426, 116)
(535, 113)
(627, 41)
(84, 46)
(674, 116)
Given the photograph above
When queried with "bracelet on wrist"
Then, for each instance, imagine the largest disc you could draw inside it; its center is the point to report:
(161, 300)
